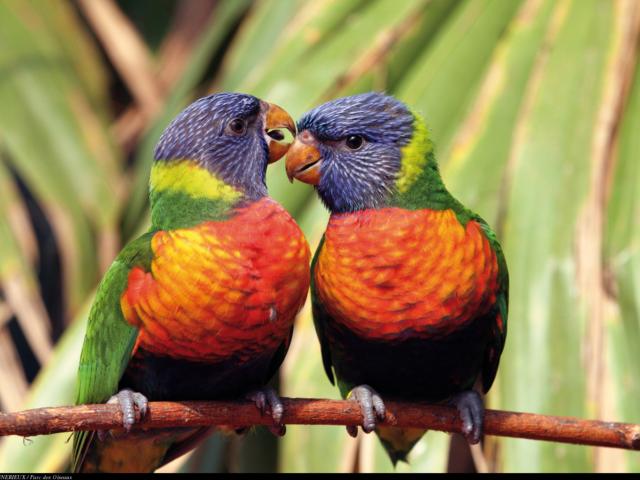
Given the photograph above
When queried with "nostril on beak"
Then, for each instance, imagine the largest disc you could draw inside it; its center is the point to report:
(306, 137)
(277, 135)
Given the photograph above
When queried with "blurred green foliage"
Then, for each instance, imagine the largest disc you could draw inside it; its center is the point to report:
(534, 106)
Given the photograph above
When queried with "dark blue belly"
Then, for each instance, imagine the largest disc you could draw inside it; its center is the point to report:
(412, 367)
(166, 378)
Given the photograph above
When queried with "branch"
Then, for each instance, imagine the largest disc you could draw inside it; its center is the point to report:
(300, 411)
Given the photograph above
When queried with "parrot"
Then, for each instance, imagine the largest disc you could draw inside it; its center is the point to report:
(202, 305)
(409, 288)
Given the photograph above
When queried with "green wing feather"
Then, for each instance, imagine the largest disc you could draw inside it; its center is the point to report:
(109, 340)
(502, 304)
(319, 318)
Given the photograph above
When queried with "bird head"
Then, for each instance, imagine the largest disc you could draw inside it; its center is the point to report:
(359, 151)
(234, 136)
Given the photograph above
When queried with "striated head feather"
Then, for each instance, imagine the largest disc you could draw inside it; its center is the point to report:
(363, 151)
(213, 156)
(205, 135)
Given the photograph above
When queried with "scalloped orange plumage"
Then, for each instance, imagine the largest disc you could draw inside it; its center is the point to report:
(221, 289)
(407, 270)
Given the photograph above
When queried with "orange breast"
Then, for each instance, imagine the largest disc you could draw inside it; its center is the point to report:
(384, 272)
(221, 289)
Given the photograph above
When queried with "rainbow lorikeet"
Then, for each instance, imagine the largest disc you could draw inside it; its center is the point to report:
(202, 305)
(409, 288)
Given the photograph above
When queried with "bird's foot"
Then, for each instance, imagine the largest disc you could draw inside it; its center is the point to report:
(371, 406)
(127, 400)
(268, 401)
(471, 409)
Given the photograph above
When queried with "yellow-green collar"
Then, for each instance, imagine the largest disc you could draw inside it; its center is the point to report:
(414, 155)
(187, 177)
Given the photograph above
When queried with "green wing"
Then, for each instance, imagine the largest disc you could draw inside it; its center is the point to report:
(320, 317)
(502, 303)
(109, 339)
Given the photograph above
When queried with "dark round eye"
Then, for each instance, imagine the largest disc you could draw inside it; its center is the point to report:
(354, 142)
(237, 126)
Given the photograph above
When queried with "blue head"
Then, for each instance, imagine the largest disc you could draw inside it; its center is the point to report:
(232, 135)
(351, 150)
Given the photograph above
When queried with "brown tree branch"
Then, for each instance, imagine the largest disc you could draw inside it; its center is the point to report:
(322, 412)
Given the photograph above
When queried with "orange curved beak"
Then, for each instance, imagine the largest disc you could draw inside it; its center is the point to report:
(304, 159)
(276, 119)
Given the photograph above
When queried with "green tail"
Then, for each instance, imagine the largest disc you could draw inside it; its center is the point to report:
(398, 442)
(132, 454)
(138, 451)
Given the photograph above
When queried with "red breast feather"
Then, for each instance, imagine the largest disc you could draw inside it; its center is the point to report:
(383, 272)
(221, 288)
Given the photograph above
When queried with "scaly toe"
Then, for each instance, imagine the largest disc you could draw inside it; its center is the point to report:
(259, 398)
(268, 401)
(276, 406)
(471, 409)
(128, 400)
(371, 406)
(378, 405)
(141, 402)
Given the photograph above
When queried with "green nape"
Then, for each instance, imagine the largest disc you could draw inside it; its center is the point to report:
(419, 184)
(184, 194)
(172, 210)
